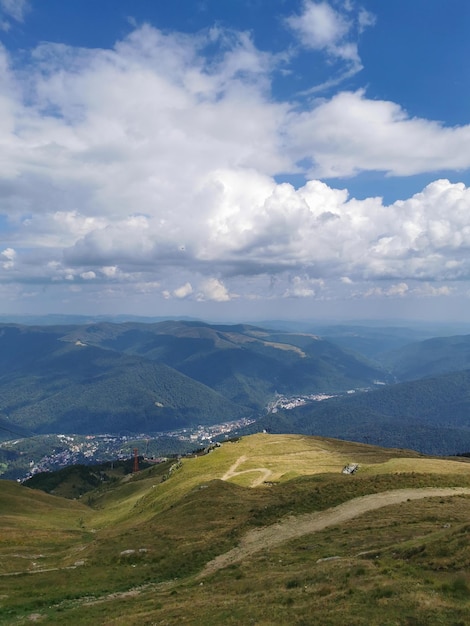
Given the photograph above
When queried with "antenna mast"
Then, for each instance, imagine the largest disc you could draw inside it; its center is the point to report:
(136, 461)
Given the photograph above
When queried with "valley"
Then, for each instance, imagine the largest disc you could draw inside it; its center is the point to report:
(83, 393)
(240, 511)
(234, 329)
(26, 457)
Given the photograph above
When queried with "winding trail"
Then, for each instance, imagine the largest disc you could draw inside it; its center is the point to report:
(293, 527)
(232, 471)
(289, 528)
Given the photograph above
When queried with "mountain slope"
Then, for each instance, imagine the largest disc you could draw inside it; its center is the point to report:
(245, 363)
(391, 546)
(430, 415)
(372, 341)
(71, 387)
(108, 377)
(432, 357)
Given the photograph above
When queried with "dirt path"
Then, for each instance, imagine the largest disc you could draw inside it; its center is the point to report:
(232, 471)
(293, 527)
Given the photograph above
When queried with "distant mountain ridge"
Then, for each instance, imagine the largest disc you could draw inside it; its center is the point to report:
(51, 385)
(246, 364)
(431, 357)
(108, 377)
(431, 415)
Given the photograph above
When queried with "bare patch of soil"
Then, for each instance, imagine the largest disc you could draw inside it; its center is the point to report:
(232, 471)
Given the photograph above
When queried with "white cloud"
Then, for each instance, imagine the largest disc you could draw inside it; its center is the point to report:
(88, 275)
(400, 290)
(151, 169)
(15, 9)
(145, 287)
(214, 289)
(110, 271)
(334, 32)
(349, 134)
(394, 290)
(365, 19)
(319, 26)
(184, 291)
(9, 255)
(303, 287)
(432, 291)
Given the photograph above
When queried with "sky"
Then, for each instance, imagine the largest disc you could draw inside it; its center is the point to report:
(235, 159)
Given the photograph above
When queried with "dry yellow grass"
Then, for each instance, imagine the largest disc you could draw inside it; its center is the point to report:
(174, 528)
(277, 458)
(420, 466)
(260, 459)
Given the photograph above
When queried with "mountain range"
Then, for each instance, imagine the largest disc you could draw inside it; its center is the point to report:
(156, 377)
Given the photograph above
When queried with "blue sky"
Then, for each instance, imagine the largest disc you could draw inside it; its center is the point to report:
(235, 159)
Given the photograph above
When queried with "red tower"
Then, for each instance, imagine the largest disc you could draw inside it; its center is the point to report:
(136, 461)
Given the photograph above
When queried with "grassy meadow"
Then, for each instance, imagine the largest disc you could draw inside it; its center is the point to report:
(135, 551)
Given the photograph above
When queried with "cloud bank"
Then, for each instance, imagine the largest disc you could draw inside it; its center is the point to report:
(151, 168)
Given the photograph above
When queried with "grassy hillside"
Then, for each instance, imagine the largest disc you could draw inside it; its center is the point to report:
(163, 546)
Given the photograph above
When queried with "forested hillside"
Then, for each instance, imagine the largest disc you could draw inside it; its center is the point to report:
(152, 377)
(107, 377)
(60, 386)
(430, 415)
(431, 357)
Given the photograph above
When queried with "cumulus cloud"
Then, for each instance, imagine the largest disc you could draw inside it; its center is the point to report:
(152, 167)
(184, 291)
(319, 26)
(8, 258)
(398, 289)
(214, 289)
(334, 32)
(303, 287)
(433, 291)
(110, 271)
(401, 290)
(304, 237)
(350, 133)
(88, 275)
